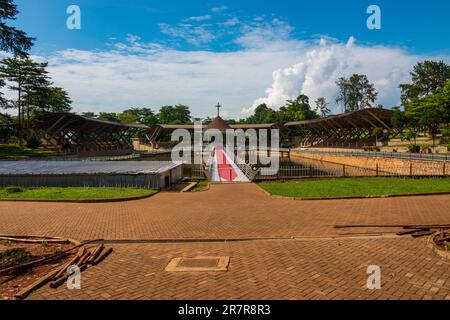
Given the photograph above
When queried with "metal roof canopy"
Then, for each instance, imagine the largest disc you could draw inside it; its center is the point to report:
(365, 118)
(11, 168)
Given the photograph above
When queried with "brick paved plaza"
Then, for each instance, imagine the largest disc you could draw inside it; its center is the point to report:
(281, 248)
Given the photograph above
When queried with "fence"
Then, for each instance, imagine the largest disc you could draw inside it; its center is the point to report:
(375, 154)
(194, 171)
(99, 180)
(330, 169)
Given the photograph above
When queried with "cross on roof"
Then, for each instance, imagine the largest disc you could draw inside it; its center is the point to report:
(218, 109)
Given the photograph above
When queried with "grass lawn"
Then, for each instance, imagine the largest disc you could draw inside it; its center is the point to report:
(73, 193)
(8, 151)
(202, 185)
(351, 187)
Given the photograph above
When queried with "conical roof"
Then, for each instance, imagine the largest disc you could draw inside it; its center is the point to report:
(219, 124)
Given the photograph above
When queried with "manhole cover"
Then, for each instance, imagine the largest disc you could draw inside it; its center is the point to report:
(199, 264)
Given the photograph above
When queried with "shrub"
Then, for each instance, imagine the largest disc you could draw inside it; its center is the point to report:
(414, 148)
(33, 143)
(14, 190)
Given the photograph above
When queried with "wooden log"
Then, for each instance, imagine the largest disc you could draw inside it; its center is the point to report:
(411, 231)
(63, 269)
(28, 240)
(96, 253)
(405, 226)
(27, 236)
(102, 256)
(36, 285)
(429, 226)
(44, 260)
(57, 282)
(369, 226)
(422, 233)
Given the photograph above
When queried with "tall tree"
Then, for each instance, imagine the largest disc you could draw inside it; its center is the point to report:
(89, 114)
(138, 115)
(322, 107)
(427, 77)
(296, 110)
(12, 39)
(262, 114)
(431, 111)
(24, 76)
(356, 93)
(50, 99)
(108, 116)
(178, 114)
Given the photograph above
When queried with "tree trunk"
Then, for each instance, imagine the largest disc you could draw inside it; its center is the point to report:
(20, 116)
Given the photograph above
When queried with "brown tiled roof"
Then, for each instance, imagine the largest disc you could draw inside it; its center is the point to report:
(219, 124)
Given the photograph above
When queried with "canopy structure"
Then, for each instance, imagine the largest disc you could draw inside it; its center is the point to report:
(351, 129)
(83, 134)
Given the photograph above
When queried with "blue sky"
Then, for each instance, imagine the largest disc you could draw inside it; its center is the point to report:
(238, 52)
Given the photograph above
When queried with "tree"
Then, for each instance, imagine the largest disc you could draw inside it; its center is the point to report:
(54, 99)
(262, 114)
(179, 114)
(108, 116)
(11, 39)
(7, 127)
(206, 121)
(25, 76)
(431, 111)
(296, 110)
(89, 114)
(356, 93)
(322, 107)
(427, 77)
(138, 115)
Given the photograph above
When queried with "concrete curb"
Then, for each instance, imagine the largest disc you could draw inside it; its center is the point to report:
(82, 201)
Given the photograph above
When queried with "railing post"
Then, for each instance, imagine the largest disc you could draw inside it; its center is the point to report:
(443, 169)
(410, 169)
(343, 170)
(376, 169)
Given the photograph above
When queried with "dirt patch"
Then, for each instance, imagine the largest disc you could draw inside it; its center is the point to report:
(12, 254)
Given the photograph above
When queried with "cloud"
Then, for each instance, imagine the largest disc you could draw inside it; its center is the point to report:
(219, 8)
(195, 35)
(229, 23)
(321, 65)
(260, 34)
(199, 18)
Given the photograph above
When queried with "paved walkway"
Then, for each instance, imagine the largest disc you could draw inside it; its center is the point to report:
(223, 212)
(306, 268)
(315, 269)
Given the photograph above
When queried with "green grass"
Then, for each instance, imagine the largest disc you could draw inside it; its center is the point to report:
(74, 193)
(202, 185)
(8, 151)
(355, 187)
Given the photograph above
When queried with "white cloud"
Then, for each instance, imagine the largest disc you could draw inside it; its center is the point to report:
(195, 35)
(229, 23)
(219, 8)
(199, 18)
(321, 65)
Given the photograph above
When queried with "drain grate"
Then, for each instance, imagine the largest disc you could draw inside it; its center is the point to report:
(199, 264)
